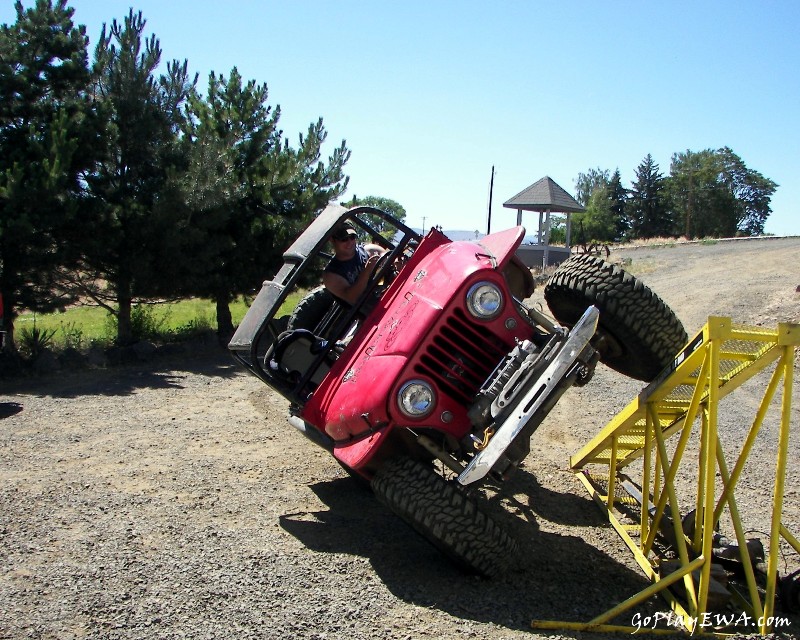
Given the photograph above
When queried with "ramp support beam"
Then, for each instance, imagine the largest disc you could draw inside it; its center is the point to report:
(716, 362)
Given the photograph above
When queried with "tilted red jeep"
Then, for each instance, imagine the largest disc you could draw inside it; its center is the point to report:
(436, 378)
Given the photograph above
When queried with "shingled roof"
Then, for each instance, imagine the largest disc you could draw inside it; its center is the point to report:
(544, 195)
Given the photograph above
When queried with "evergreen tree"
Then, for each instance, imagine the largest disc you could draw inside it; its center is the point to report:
(46, 144)
(618, 198)
(248, 191)
(714, 194)
(647, 207)
(558, 229)
(130, 254)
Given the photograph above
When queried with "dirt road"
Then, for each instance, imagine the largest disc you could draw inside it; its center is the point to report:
(175, 501)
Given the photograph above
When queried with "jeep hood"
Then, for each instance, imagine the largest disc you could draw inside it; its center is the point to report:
(503, 244)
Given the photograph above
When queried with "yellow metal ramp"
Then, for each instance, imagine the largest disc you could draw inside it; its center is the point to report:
(716, 362)
(742, 353)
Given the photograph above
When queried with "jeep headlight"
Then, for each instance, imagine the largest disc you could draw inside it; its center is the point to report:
(484, 300)
(416, 399)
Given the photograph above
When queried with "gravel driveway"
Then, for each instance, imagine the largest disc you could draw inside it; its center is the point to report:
(174, 501)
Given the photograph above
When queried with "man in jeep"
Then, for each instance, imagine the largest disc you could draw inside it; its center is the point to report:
(352, 265)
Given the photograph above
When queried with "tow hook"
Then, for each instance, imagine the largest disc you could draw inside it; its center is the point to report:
(479, 444)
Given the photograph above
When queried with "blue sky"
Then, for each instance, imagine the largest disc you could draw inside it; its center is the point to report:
(430, 95)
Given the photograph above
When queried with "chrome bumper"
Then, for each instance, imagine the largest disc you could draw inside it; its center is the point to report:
(533, 398)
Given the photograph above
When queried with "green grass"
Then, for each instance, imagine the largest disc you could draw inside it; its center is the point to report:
(81, 326)
(91, 320)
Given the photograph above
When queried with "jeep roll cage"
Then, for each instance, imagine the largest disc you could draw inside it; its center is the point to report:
(260, 333)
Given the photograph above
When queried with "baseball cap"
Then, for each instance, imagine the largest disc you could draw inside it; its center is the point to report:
(344, 231)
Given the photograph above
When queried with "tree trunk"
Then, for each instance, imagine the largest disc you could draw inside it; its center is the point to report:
(124, 303)
(224, 320)
(124, 324)
(7, 315)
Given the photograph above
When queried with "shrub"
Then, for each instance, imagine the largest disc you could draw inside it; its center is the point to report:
(147, 324)
(71, 335)
(34, 341)
(200, 324)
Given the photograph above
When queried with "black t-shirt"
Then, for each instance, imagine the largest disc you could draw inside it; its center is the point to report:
(349, 269)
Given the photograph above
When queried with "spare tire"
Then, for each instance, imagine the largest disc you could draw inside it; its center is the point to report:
(310, 311)
(638, 334)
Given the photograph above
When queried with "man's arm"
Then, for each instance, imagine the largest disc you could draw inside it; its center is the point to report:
(339, 286)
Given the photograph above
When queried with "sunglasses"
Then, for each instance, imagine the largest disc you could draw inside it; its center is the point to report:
(345, 239)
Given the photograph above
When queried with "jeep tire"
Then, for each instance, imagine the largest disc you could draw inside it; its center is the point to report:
(310, 311)
(638, 334)
(444, 515)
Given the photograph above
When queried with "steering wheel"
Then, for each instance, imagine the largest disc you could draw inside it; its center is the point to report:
(383, 279)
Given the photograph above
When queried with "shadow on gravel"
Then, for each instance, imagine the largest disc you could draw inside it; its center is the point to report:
(560, 508)
(8, 409)
(555, 577)
(158, 373)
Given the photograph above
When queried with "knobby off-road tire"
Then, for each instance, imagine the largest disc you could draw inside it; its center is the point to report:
(443, 514)
(311, 309)
(643, 334)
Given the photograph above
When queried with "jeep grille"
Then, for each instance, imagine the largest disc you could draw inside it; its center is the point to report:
(461, 356)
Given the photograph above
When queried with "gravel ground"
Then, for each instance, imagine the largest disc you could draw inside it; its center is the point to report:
(174, 500)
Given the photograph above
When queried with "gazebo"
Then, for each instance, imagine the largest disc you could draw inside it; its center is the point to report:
(546, 197)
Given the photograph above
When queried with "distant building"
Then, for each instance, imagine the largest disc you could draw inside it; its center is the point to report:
(545, 197)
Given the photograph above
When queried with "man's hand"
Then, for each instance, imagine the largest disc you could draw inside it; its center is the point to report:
(372, 261)
(374, 249)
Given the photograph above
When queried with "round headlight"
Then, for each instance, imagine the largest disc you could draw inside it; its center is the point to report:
(416, 399)
(484, 300)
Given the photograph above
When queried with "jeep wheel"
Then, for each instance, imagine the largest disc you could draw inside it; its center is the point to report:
(310, 311)
(443, 514)
(638, 334)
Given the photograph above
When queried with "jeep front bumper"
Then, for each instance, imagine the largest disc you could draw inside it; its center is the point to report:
(532, 397)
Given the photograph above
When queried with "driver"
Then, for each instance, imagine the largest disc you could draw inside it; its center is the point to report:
(351, 267)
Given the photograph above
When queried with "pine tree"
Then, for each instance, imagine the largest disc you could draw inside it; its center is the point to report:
(47, 134)
(647, 206)
(618, 198)
(750, 191)
(130, 254)
(248, 191)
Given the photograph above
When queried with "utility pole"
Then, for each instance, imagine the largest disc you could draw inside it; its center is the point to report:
(491, 188)
(423, 224)
(689, 206)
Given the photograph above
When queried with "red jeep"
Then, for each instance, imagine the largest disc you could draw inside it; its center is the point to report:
(436, 378)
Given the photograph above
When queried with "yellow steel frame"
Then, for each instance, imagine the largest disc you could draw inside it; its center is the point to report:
(718, 360)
